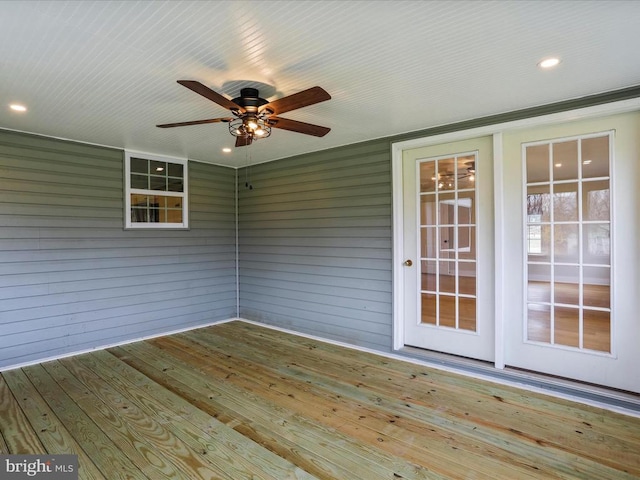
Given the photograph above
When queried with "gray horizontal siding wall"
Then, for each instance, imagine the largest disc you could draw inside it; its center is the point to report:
(71, 278)
(315, 244)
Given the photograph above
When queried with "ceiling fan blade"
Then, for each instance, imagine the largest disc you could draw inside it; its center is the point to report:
(211, 95)
(194, 122)
(300, 127)
(243, 141)
(307, 97)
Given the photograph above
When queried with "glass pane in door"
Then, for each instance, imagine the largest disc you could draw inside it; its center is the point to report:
(568, 247)
(448, 242)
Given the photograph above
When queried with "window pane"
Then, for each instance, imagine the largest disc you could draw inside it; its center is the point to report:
(597, 290)
(466, 172)
(538, 204)
(139, 165)
(140, 181)
(447, 311)
(597, 330)
(596, 249)
(565, 160)
(467, 317)
(595, 200)
(565, 202)
(428, 313)
(595, 157)
(539, 283)
(427, 209)
(467, 243)
(428, 176)
(446, 174)
(539, 243)
(170, 216)
(467, 278)
(428, 242)
(175, 185)
(176, 169)
(539, 323)
(157, 168)
(428, 274)
(139, 215)
(565, 243)
(566, 285)
(157, 183)
(447, 208)
(567, 326)
(447, 277)
(537, 158)
(467, 208)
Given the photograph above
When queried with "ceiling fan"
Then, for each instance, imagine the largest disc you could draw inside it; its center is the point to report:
(253, 117)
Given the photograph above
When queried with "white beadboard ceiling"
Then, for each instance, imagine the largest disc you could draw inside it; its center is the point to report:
(105, 72)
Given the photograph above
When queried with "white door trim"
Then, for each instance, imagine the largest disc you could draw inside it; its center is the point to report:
(496, 130)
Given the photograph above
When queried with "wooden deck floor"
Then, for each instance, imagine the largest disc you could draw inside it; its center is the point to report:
(239, 401)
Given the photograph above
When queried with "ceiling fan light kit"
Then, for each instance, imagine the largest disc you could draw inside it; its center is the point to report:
(253, 116)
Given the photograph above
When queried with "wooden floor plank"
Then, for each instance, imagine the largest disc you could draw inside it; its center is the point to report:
(333, 451)
(50, 430)
(224, 447)
(106, 455)
(380, 426)
(18, 436)
(237, 400)
(483, 445)
(568, 438)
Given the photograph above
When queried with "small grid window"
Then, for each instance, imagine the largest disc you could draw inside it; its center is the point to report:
(156, 192)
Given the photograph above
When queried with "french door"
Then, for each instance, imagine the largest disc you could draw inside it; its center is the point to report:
(522, 247)
(448, 249)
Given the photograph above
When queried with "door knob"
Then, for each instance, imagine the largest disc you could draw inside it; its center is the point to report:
(408, 263)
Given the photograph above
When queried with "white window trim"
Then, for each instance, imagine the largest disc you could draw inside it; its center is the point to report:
(128, 224)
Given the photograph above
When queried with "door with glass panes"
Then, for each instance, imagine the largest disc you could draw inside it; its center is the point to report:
(571, 286)
(448, 245)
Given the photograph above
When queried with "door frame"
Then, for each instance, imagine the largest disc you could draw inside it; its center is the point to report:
(496, 130)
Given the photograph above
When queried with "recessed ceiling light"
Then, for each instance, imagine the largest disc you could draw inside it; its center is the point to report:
(16, 107)
(226, 150)
(587, 162)
(558, 165)
(159, 169)
(549, 62)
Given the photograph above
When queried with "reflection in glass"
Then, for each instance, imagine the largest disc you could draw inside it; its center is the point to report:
(428, 274)
(447, 311)
(428, 242)
(538, 204)
(447, 174)
(595, 157)
(428, 209)
(565, 243)
(428, 179)
(597, 243)
(566, 326)
(467, 278)
(539, 283)
(565, 160)
(140, 181)
(597, 289)
(447, 208)
(466, 172)
(467, 243)
(565, 202)
(537, 157)
(539, 243)
(428, 311)
(538, 323)
(467, 313)
(447, 277)
(597, 330)
(596, 200)
(566, 286)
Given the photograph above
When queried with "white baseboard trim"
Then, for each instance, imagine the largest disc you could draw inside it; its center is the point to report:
(116, 344)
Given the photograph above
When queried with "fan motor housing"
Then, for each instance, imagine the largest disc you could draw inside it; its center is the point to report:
(249, 99)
